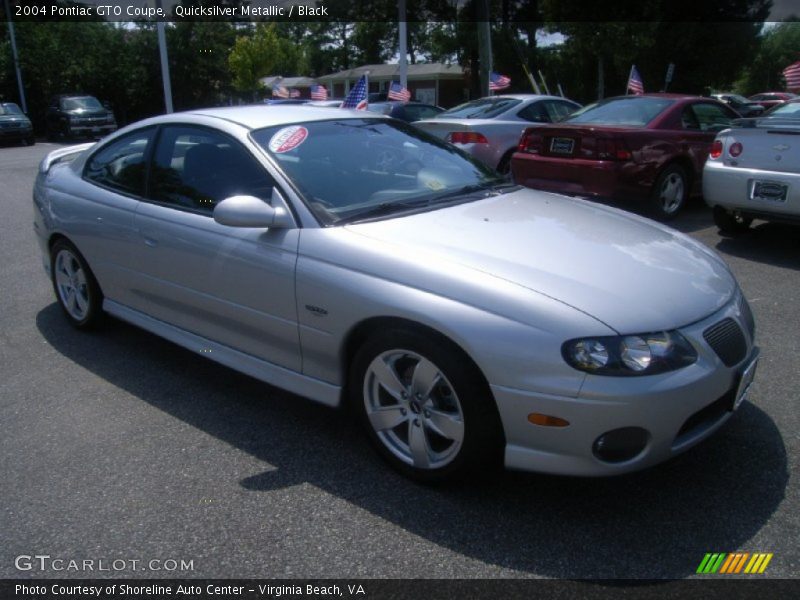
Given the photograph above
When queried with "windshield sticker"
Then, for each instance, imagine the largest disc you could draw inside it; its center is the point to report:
(288, 138)
(434, 184)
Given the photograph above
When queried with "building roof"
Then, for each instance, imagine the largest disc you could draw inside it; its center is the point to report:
(382, 72)
(289, 82)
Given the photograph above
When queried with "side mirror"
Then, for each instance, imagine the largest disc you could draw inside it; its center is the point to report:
(249, 211)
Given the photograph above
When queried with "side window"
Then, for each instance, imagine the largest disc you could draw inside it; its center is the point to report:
(557, 110)
(416, 113)
(688, 120)
(195, 168)
(536, 113)
(711, 117)
(120, 165)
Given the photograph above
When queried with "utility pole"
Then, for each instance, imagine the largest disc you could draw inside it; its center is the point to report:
(484, 45)
(15, 57)
(403, 34)
(162, 49)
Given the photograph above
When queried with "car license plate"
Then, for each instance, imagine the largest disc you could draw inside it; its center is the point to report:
(772, 191)
(561, 145)
(745, 381)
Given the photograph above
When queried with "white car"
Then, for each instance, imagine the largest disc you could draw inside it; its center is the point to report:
(753, 171)
(490, 128)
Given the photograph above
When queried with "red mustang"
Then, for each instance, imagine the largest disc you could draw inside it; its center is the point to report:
(651, 146)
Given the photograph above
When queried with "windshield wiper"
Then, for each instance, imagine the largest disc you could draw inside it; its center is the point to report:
(379, 210)
(468, 190)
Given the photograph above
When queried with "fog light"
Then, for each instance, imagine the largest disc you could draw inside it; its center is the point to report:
(547, 420)
(620, 445)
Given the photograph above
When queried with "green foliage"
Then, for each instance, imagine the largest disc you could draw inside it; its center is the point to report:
(779, 47)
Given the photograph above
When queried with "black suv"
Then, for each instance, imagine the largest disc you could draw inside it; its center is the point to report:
(78, 116)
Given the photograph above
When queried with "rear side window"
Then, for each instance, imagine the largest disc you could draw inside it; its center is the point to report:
(535, 113)
(558, 111)
(711, 117)
(195, 168)
(120, 165)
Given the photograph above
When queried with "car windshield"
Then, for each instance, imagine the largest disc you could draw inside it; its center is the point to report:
(82, 103)
(349, 169)
(9, 108)
(735, 98)
(483, 108)
(790, 110)
(631, 112)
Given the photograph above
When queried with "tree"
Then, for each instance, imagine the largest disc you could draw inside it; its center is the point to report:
(259, 55)
(779, 47)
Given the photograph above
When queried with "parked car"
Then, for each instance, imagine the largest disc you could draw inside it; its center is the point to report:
(78, 116)
(740, 104)
(753, 170)
(330, 103)
(489, 128)
(649, 147)
(466, 320)
(405, 111)
(278, 101)
(771, 99)
(15, 126)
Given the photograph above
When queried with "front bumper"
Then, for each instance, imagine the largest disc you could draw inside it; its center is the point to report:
(15, 134)
(676, 410)
(78, 130)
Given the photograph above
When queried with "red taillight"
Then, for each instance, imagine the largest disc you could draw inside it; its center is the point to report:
(530, 142)
(716, 149)
(735, 149)
(466, 137)
(612, 149)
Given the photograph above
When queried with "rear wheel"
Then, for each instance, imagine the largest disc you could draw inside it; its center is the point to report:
(504, 166)
(731, 223)
(670, 192)
(425, 409)
(75, 286)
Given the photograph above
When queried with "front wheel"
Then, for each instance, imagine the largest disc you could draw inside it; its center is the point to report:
(76, 289)
(425, 408)
(670, 192)
(731, 223)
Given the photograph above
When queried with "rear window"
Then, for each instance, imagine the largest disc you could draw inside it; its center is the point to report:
(790, 110)
(484, 108)
(631, 112)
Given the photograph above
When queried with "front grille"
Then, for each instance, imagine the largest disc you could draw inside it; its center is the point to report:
(727, 340)
(747, 316)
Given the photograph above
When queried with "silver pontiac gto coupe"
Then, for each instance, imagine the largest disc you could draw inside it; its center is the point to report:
(351, 258)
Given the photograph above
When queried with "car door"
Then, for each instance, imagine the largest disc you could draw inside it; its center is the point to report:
(233, 286)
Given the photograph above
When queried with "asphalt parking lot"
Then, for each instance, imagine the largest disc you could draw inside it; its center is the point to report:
(117, 445)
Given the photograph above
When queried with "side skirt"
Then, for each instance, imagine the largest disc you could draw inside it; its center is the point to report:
(286, 379)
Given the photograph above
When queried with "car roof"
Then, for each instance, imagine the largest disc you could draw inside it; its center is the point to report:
(263, 115)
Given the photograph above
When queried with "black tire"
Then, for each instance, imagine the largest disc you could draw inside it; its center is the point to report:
(449, 431)
(670, 192)
(75, 286)
(731, 223)
(504, 166)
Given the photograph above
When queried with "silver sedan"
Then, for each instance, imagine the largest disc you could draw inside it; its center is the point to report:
(351, 258)
(490, 128)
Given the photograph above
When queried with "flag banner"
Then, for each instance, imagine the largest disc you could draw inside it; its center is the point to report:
(319, 92)
(357, 98)
(398, 92)
(792, 76)
(635, 84)
(498, 82)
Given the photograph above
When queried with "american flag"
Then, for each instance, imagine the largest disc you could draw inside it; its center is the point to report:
(279, 91)
(319, 92)
(792, 76)
(294, 93)
(398, 92)
(635, 85)
(357, 98)
(498, 82)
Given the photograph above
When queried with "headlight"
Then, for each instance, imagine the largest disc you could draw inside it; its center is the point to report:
(645, 354)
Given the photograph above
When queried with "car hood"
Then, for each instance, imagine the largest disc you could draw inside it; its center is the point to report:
(631, 273)
(14, 119)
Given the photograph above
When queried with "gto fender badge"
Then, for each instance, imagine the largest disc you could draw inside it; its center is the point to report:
(316, 310)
